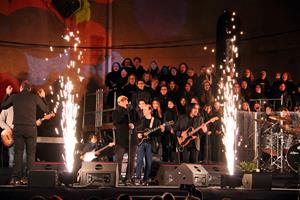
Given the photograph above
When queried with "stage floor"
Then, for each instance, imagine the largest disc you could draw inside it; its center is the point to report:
(8, 192)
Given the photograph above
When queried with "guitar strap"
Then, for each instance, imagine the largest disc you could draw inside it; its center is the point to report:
(151, 122)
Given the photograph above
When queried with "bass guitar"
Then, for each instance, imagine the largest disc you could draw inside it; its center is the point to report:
(7, 135)
(46, 117)
(7, 138)
(145, 133)
(190, 134)
(91, 155)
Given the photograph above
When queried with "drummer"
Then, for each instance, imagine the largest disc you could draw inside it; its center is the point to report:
(287, 124)
(269, 132)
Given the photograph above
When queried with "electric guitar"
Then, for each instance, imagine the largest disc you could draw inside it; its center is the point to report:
(148, 131)
(91, 155)
(7, 135)
(190, 134)
(46, 117)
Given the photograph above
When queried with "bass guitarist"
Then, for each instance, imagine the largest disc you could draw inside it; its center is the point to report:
(191, 120)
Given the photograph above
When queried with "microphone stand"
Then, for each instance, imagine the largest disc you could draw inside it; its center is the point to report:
(128, 170)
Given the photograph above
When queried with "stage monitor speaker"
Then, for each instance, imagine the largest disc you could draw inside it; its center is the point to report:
(43, 178)
(191, 174)
(99, 174)
(199, 175)
(58, 166)
(257, 181)
(166, 175)
(66, 8)
(215, 173)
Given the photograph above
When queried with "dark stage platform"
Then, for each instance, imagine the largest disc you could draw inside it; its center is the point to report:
(99, 180)
(146, 192)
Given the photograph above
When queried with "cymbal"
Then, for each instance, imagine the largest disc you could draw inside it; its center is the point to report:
(291, 129)
(263, 121)
(259, 120)
(277, 118)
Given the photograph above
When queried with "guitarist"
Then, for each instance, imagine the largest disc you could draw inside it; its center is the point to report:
(192, 119)
(24, 120)
(91, 144)
(6, 123)
(149, 145)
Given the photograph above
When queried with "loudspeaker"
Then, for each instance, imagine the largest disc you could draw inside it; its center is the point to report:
(58, 166)
(191, 174)
(99, 174)
(43, 178)
(166, 174)
(199, 175)
(215, 173)
(257, 181)
(66, 8)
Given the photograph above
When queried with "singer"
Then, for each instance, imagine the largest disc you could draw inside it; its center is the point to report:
(121, 120)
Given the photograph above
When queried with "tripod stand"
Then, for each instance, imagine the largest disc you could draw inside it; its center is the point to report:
(274, 148)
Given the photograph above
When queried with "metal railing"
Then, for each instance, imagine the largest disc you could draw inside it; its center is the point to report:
(271, 101)
(98, 120)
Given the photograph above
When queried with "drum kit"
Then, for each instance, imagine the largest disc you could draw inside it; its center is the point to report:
(280, 149)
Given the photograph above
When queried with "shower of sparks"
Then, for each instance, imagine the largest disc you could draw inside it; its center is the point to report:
(66, 97)
(229, 99)
(229, 123)
(68, 121)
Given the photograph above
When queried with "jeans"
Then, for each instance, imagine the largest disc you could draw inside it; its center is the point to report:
(144, 151)
(11, 152)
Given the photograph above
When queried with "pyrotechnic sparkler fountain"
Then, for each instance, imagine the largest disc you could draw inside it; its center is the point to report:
(226, 95)
(67, 98)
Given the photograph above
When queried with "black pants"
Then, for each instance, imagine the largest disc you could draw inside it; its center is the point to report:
(190, 155)
(166, 141)
(119, 153)
(24, 134)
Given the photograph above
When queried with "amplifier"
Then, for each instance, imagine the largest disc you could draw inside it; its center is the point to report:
(199, 175)
(99, 174)
(166, 174)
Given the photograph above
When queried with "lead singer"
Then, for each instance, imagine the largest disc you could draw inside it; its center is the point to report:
(124, 130)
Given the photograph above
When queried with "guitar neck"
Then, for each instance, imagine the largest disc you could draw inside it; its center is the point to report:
(151, 131)
(102, 149)
(156, 128)
(199, 127)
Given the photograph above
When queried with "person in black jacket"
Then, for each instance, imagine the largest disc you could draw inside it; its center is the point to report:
(24, 104)
(147, 146)
(190, 120)
(111, 82)
(168, 139)
(122, 121)
(140, 93)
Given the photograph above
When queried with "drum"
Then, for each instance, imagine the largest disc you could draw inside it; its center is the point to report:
(293, 157)
(288, 141)
(269, 144)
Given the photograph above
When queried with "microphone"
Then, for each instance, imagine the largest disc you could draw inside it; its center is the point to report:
(129, 106)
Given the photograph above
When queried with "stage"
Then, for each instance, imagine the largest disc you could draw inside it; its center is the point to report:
(145, 192)
(47, 181)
